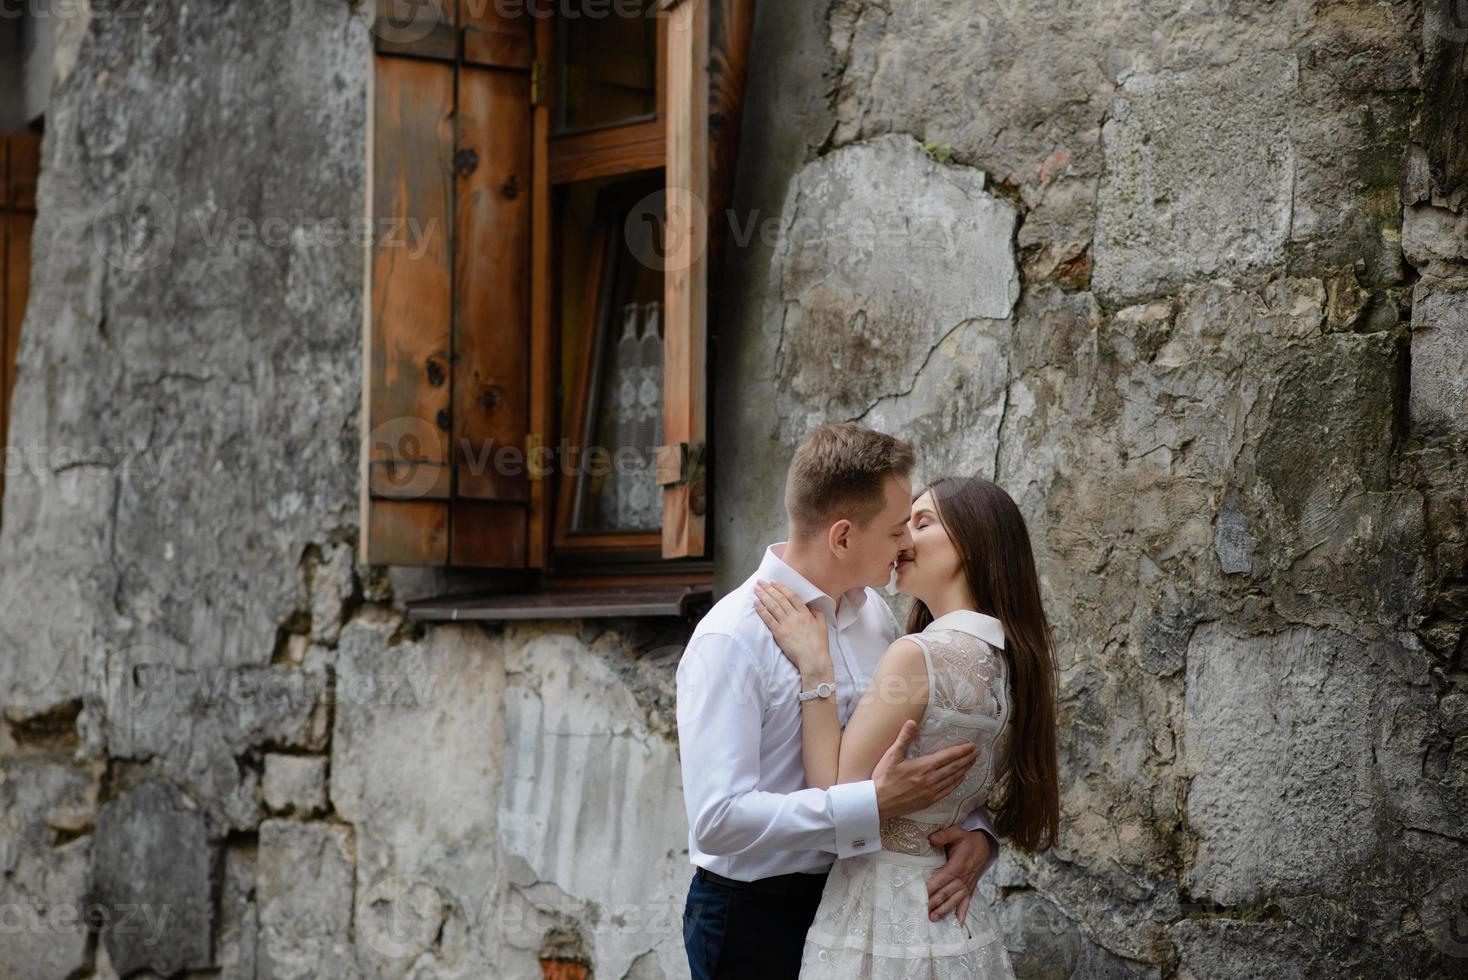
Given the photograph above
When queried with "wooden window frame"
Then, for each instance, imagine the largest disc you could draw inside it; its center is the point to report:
(676, 141)
(617, 150)
(614, 149)
(568, 543)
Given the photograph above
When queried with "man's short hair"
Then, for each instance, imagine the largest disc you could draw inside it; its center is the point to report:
(841, 470)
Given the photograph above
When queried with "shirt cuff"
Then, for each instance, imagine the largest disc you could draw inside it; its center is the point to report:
(854, 812)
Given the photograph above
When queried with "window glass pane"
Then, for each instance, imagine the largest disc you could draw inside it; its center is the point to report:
(613, 342)
(619, 491)
(607, 64)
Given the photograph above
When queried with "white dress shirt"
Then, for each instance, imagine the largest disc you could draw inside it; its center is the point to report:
(750, 814)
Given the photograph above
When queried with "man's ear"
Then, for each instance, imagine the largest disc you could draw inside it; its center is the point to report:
(838, 537)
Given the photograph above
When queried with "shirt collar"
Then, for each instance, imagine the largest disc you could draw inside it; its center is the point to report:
(772, 568)
(982, 625)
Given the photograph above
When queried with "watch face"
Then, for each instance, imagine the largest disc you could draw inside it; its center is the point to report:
(822, 690)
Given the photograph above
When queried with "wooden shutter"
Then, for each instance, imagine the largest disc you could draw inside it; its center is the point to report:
(20, 166)
(448, 311)
(491, 384)
(681, 460)
(708, 49)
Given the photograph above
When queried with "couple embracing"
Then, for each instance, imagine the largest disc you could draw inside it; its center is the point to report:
(836, 771)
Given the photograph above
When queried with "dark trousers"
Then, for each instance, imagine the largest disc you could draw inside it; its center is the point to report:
(755, 929)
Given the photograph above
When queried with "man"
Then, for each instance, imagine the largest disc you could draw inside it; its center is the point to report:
(761, 841)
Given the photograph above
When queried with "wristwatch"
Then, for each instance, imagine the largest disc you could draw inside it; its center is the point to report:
(822, 690)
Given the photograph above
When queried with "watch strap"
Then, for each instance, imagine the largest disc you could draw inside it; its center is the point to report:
(824, 689)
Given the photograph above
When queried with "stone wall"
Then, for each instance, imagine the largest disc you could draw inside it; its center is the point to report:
(1229, 396)
(1188, 280)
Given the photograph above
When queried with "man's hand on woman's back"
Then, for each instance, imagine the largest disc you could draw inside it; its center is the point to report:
(908, 785)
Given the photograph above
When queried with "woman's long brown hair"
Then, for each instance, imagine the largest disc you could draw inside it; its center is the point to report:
(994, 552)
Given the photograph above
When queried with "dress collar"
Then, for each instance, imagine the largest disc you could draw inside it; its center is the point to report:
(982, 625)
(772, 568)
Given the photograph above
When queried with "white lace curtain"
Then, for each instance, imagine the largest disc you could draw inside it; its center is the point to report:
(630, 424)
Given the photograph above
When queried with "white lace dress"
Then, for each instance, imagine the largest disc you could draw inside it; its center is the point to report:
(873, 917)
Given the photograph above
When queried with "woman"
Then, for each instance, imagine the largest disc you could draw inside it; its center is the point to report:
(975, 665)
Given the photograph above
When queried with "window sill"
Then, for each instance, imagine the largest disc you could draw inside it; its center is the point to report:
(681, 601)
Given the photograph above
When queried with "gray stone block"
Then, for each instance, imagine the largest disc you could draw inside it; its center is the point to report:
(303, 886)
(882, 253)
(1435, 240)
(43, 866)
(333, 582)
(153, 879)
(238, 921)
(1232, 542)
(1198, 178)
(1221, 949)
(1438, 400)
(1286, 762)
(295, 784)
